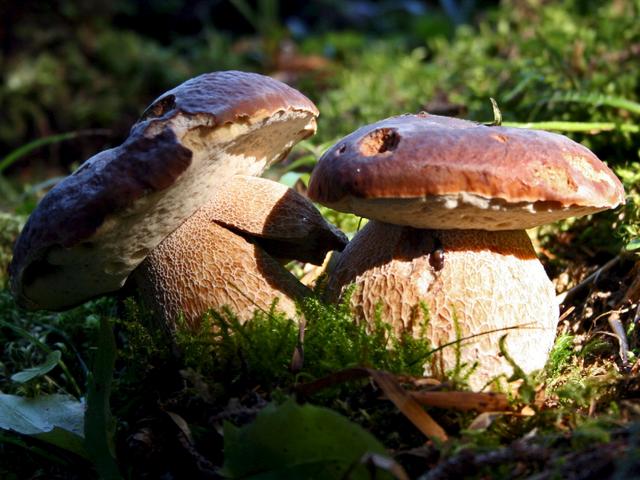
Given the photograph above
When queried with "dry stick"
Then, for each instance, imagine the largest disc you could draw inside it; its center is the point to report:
(566, 313)
(618, 331)
(376, 461)
(309, 388)
(614, 318)
(391, 388)
(297, 359)
(468, 463)
(408, 406)
(464, 401)
(636, 316)
(566, 296)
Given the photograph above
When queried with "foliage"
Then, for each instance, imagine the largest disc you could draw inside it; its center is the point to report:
(560, 355)
(99, 424)
(291, 441)
(10, 226)
(240, 356)
(55, 419)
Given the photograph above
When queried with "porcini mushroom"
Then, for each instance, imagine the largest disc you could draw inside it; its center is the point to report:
(97, 225)
(226, 253)
(450, 200)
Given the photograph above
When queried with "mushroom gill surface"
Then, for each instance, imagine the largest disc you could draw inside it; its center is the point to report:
(485, 284)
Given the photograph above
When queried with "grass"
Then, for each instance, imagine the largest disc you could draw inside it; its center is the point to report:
(227, 369)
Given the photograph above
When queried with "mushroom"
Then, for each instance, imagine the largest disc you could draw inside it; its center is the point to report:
(96, 226)
(225, 254)
(450, 200)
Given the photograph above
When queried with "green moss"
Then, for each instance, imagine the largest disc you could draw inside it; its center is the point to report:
(560, 356)
(10, 226)
(259, 352)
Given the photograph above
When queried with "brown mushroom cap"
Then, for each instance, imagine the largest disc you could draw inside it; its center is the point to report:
(429, 171)
(488, 284)
(91, 230)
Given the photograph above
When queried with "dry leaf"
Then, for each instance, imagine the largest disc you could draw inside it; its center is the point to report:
(484, 420)
(407, 405)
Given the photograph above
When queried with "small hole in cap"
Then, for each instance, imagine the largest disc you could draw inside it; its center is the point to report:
(379, 141)
(159, 108)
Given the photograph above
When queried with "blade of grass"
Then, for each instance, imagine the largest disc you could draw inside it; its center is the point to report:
(587, 127)
(45, 348)
(99, 423)
(20, 152)
(17, 441)
(596, 99)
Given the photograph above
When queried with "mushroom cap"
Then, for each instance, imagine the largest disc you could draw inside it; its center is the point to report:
(429, 171)
(93, 228)
(477, 286)
(283, 222)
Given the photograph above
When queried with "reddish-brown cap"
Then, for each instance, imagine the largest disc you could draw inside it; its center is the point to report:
(91, 230)
(429, 171)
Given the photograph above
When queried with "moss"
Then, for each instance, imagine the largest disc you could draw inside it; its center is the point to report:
(10, 226)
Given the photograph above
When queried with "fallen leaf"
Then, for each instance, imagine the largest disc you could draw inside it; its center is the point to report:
(291, 441)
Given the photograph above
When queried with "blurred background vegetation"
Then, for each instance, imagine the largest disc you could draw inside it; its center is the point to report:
(71, 66)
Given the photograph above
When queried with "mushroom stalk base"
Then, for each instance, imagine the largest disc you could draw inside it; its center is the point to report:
(203, 266)
(477, 286)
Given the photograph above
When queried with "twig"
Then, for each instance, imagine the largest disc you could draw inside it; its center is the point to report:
(342, 376)
(593, 278)
(591, 464)
(408, 406)
(205, 467)
(464, 401)
(402, 399)
(636, 316)
(468, 463)
(297, 359)
(618, 331)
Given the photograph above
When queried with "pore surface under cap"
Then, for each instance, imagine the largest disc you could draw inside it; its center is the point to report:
(429, 171)
(91, 230)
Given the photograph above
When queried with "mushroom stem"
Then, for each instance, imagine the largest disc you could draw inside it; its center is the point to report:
(223, 255)
(477, 286)
(203, 266)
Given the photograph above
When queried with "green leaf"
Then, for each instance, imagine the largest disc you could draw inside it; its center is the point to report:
(51, 362)
(291, 178)
(305, 161)
(633, 245)
(55, 419)
(597, 100)
(592, 128)
(290, 441)
(20, 152)
(99, 424)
